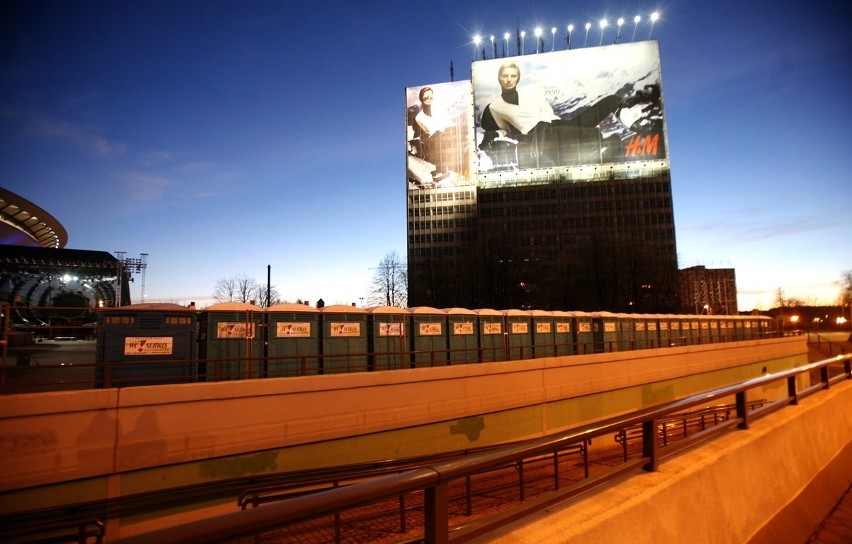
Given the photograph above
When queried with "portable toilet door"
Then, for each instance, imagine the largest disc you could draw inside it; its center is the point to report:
(653, 330)
(543, 333)
(585, 332)
(631, 332)
(146, 344)
(294, 340)
(233, 341)
(605, 331)
(663, 330)
(519, 334)
(694, 330)
(344, 342)
(428, 336)
(642, 331)
(492, 344)
(462, 336)
(388, 339)
(563, 333)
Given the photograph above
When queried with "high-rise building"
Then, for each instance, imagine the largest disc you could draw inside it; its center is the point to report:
(543, 182)
(708, 290)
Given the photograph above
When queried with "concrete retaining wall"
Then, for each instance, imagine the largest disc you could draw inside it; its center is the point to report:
(85, 445)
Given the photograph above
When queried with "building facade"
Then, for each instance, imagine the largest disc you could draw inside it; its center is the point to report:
(708, 290)
(543, 182)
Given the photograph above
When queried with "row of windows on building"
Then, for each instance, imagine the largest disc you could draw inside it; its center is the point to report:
(531, 223)
(523, 237)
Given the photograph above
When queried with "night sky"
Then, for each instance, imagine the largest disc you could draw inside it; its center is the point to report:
(222, 137)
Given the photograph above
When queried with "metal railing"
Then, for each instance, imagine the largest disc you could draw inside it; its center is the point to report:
(433, 481)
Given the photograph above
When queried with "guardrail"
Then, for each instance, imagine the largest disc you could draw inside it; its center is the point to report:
(433, 480)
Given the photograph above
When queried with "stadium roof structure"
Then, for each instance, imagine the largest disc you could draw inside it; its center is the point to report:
(23, 223)
(40, 277)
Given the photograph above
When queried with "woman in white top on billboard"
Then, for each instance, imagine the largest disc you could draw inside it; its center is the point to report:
(439, 135)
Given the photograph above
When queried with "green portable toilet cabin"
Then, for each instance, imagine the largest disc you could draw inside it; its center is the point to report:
(344, 341)
(763, 323)
(724, 328)
(388, 341)
(462, 335)
(605, 331)
(156, 342)
(644, 331)
(563, 333)
(519, 334)
(664, 325)
(585, 333)
(492, 344)
(693, 332)
(294, 340)
(428, 336)
(630, 328)
(543, 333)
(654, 331)
(231, 341)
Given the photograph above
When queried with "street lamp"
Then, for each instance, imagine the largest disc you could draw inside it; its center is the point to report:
(635, 24)
(620, 22)
(506, 39)
(568, 39)
(654, 17)
(493, 48)
(588, 26)
(538, 40)
(552, 38)
(476, 40)
(603, 26)
(523, 47)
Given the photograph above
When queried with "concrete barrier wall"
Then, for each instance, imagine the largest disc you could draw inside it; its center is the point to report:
(94, 444)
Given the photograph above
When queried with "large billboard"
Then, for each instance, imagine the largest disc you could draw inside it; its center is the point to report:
(439, 135)
(596, 105)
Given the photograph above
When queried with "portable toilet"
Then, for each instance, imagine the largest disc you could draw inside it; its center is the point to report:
(492, 345)
(428, 336)
(294, 340)
(462, 336)
(630, 329)
(605, 332)
(543, 333)
(585, 333)
(231, 341)
(519, 334)
(388, 340)
(653, 330)
(344, 340)
(664, 328)
(146, 344)
(563, 333)
(643, 335)
(704, 335)
(694, 334)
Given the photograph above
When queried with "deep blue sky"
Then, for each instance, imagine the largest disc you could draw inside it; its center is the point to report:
(221, 137)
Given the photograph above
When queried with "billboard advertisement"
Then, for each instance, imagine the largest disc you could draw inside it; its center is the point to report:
(439, 135)
(595, 105)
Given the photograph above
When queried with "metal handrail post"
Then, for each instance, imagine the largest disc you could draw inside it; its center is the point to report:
(437, 518)
(649, 444)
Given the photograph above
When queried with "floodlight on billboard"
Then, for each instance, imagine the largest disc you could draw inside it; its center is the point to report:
(439, 135)
(600, 105)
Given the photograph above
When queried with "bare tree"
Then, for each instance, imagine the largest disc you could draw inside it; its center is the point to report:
(243, 288)
(846, 287)
(389, 286)
(846, 292)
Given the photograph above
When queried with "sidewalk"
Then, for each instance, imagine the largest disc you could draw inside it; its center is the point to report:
(837, 527)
